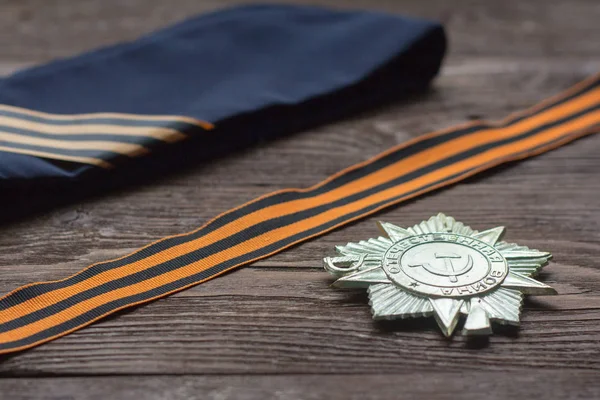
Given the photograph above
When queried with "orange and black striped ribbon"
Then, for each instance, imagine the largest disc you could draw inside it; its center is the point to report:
(100, 139)
(40, 312)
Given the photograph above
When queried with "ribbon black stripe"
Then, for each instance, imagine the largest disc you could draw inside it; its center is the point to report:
(146, 141)
(123, 121)
(593, 84)
(105, 155)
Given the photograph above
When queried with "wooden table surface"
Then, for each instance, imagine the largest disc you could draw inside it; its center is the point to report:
(276, 329)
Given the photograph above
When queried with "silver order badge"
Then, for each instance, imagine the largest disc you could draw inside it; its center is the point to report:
(443, 268)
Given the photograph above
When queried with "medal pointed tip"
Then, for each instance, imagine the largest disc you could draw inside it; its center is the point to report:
(526, 254)
(393, 232)
(381, 225)
(550, 291)
(527, 285)
(478, 321)
(447, 333)
(446, 313)
(490, 236)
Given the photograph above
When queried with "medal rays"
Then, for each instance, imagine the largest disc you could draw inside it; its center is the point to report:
(361, 265)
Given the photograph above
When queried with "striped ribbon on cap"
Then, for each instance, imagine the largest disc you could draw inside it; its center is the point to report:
(40, 312)
(99, 139)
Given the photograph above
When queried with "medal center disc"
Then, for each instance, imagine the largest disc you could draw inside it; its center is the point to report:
(445, 265)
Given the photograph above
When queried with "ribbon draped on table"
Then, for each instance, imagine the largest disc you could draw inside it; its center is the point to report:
(225, 77)
(40, 312)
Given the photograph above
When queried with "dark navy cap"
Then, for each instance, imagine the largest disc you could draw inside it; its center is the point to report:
(213, 82)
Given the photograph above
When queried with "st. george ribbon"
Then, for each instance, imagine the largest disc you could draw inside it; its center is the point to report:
(40, 312)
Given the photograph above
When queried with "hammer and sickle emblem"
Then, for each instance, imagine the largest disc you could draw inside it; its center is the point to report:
(449, 269)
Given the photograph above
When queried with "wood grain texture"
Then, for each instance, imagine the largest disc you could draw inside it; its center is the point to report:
(41, 29)
(276, 329)
(412, 385)
(273, 321)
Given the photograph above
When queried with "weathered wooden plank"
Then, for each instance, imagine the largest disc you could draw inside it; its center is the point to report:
(530, 384)
(36, 29)
(275, 332)
(279, 321)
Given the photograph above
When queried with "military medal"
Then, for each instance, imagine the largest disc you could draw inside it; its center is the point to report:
(443, 268)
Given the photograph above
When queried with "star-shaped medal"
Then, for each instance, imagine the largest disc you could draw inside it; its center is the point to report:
(443, 268)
